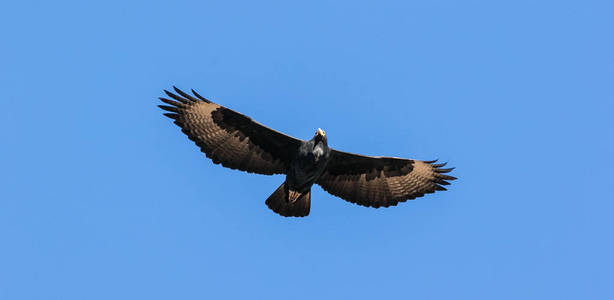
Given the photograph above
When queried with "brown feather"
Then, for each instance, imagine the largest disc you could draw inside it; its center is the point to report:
(381, 181)
(228, 137)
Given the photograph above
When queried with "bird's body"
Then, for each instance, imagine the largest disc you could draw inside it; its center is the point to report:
(236, 141)
(293, 197)
(309, 164)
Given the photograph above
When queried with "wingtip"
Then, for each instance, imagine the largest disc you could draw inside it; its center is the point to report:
(440, 188)
(440, 165)
(178, 98)
(168, 93)
(185, 95)
(177, 90)
(172, 115)
(169, 108)
(171, 102)
(442, 182)
(447, 177)
(199, 96)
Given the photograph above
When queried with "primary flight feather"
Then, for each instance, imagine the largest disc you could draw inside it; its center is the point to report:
(236, 141)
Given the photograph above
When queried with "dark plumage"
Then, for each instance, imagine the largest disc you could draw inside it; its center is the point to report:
(238, 142)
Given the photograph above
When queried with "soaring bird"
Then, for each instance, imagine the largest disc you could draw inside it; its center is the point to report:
(236, 141)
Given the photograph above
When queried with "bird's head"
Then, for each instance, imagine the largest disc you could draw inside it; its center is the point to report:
(320, 136)
(320, 144)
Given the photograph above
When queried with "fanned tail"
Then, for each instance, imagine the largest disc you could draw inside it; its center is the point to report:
(289, 203)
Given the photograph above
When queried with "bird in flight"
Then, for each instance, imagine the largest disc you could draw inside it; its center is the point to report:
(236, 141)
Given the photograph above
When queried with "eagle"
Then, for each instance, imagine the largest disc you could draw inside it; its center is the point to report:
(236, 141)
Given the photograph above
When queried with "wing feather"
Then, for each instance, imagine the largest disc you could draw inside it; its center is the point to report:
(381, 181)
(228, 137)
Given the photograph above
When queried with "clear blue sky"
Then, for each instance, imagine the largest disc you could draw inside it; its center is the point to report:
(104, 198)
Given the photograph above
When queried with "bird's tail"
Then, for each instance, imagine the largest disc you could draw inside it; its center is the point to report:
(289, 203)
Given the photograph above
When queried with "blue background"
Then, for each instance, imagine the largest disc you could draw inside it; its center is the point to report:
(104, 198)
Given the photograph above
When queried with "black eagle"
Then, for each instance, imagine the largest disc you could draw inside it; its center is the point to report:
(238, 142)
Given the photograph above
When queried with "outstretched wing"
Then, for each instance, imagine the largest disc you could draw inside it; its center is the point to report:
(381, 181)
(228, 137)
